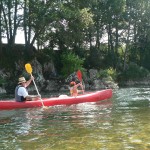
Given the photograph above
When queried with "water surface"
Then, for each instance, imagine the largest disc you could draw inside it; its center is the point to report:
(120, 123)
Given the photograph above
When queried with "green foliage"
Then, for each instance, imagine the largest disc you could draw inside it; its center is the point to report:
(102, 74)
(86, 18)
(134, 72)
(71, 25)
(107, 73)
(94, 59)
(2, 81)
(45, 55)
(81, 25)
(112, 72)
(71, 63)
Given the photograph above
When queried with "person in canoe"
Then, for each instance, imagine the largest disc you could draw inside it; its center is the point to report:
(21, 93)
(74, 88)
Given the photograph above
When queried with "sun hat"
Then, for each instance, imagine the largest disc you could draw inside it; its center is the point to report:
(21, 80)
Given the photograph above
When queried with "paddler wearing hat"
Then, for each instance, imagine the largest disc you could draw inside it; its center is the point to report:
(21, 93)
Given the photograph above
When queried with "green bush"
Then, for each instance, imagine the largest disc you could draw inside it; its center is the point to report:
(134, 72)
(110, 72)
(71, 63)
(102, 74)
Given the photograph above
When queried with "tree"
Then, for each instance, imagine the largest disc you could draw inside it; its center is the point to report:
(10, 18)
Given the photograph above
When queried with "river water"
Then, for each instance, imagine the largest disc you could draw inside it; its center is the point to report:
(120, 123)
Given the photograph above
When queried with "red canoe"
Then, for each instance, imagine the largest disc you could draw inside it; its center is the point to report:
(61, 100)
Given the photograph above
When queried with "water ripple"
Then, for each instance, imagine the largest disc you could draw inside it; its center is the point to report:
(119, 123)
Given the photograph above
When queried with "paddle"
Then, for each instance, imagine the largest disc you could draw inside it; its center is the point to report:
(79, 75)
(29, 70)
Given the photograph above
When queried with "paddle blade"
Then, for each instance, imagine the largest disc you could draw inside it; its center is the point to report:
(28, 68)
(79, 75)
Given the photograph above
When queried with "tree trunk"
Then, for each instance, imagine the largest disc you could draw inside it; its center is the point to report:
(126, 49)
(110, 44)
(0, 28)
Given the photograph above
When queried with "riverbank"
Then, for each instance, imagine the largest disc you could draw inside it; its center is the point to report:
(90, 82)
(134, 83)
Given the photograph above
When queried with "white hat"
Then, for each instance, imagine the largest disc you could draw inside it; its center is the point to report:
(21, 80)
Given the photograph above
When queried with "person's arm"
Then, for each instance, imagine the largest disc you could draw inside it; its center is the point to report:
(82, 87)
(29, 81)
(80, 84)
(32, 97)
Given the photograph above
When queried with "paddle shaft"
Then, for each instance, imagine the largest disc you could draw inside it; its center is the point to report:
(28, 68)
(37, 91)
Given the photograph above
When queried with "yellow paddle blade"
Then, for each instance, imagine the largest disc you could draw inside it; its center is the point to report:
(28, 68)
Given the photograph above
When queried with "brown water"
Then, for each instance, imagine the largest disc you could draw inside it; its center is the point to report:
(120, 123)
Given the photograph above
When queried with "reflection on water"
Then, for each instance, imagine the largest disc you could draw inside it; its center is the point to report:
(115, 124)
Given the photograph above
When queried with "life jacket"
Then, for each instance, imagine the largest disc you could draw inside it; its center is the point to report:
(18, 98)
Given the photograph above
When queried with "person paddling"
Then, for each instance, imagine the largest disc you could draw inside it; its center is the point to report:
(21, 93)
(74, 88)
